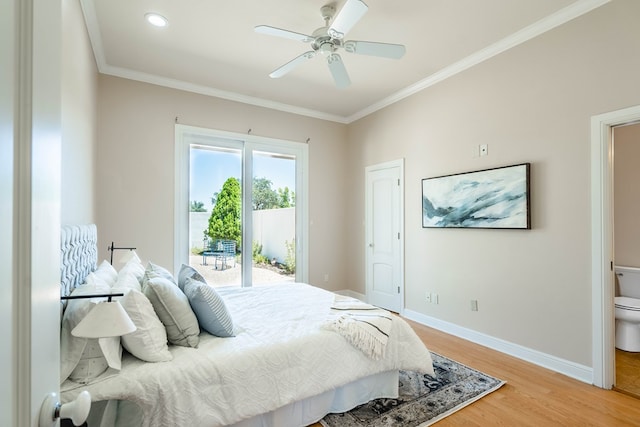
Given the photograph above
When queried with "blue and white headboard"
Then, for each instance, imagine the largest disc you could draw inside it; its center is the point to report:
(79, 255)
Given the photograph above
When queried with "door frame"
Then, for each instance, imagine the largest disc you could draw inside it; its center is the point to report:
(399, 163)
(602, 250)
(30, 136)
(186, 135)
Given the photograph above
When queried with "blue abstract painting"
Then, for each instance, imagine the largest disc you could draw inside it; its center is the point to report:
(492, 198)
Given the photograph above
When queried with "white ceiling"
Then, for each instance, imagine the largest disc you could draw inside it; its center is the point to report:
(210, 46)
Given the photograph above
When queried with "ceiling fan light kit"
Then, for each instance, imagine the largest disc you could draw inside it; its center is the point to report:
(328, 39)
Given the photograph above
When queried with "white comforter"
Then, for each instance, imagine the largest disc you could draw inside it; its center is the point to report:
(282, 352)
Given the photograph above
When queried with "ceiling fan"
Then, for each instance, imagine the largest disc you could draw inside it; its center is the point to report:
(328, 39)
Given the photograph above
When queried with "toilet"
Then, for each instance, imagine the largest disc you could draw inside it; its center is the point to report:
(627, 309)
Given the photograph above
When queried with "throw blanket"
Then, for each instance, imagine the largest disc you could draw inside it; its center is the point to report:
(366, 327)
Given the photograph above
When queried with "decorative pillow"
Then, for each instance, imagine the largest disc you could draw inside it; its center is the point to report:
(149, 341)
(154, 270)
(106, 272)
(134, 267)
(209, 308)
(187, 271)
(91, 364)
(79, 358)
(94, 280)
(127, 280)
(172, 307)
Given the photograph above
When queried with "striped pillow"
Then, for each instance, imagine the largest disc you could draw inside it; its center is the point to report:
(209, 308)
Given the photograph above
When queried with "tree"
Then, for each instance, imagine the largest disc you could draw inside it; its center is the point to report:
(196, 206)
(287, 198)
(264, 197)
(225, 221)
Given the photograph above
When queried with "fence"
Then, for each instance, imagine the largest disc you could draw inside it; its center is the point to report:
(271, 228)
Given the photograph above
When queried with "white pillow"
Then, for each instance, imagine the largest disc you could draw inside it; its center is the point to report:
(93, 279)
(149, 341)
(79, 358)
(106, 272)
(134, 267)
(186, 271)
(209, 308)
(127, 280)
(174, 311)
(91, 365)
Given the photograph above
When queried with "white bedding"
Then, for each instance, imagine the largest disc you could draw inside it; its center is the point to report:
(282, 352)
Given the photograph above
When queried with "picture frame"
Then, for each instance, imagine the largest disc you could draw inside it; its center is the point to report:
(489, 198)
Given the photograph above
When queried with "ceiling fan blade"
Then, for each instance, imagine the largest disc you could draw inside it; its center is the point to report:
(384, 50)
(292, 64)
(278, 32)
(348, 16)
(338, 71)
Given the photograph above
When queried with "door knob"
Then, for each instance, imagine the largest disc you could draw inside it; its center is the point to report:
(370, 245)
(77, 411)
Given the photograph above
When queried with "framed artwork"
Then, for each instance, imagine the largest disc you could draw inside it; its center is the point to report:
(490, 198)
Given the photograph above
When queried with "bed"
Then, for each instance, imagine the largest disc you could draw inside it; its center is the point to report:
(285, 365)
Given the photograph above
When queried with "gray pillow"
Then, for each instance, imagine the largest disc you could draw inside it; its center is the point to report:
(186, 272)
(172, 307)
(154, 270)
(209, 308)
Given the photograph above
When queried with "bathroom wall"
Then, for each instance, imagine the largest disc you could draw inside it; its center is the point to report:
(627, 195)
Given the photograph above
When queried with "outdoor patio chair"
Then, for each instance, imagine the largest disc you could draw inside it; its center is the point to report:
(222, 251)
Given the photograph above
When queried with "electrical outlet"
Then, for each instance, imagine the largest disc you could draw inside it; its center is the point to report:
(326, 277)
(428, 297)
(435, 299)
(484, 149)
(474, 305)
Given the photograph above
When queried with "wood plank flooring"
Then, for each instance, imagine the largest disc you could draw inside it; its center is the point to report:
(533, 396)
(628, 372)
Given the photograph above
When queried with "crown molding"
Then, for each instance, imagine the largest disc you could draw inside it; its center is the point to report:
(548, 23)
(218, 93)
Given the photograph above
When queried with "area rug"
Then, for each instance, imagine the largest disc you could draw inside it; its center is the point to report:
(423, 399)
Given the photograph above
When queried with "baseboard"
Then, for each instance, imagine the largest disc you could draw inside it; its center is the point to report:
(352, 294)
(565, 367)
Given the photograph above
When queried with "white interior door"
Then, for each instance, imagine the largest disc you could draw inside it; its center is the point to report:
(384, 235)
(30, 151)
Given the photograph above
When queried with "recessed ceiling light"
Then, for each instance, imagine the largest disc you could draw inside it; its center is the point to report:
(156, 20)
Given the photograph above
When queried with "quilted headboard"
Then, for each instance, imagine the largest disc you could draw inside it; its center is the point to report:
(79, 257)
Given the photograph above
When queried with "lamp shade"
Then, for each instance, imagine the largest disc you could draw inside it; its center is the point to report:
(106, 319)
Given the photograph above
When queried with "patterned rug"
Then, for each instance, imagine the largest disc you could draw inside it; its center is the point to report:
(422, 400)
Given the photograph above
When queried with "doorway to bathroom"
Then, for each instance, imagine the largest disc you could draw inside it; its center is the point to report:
(602, 242)
(626, 234)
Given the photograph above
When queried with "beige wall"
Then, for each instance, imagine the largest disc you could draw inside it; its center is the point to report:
(135, 170)
(627, 195)
(530, 104)
(79, 88)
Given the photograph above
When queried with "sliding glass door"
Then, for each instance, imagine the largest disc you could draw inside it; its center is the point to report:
(240, 207)
(273, 213)
(215, 213)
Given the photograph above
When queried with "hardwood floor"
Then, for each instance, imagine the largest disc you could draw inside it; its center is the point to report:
(533, 396)
(628, 372)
